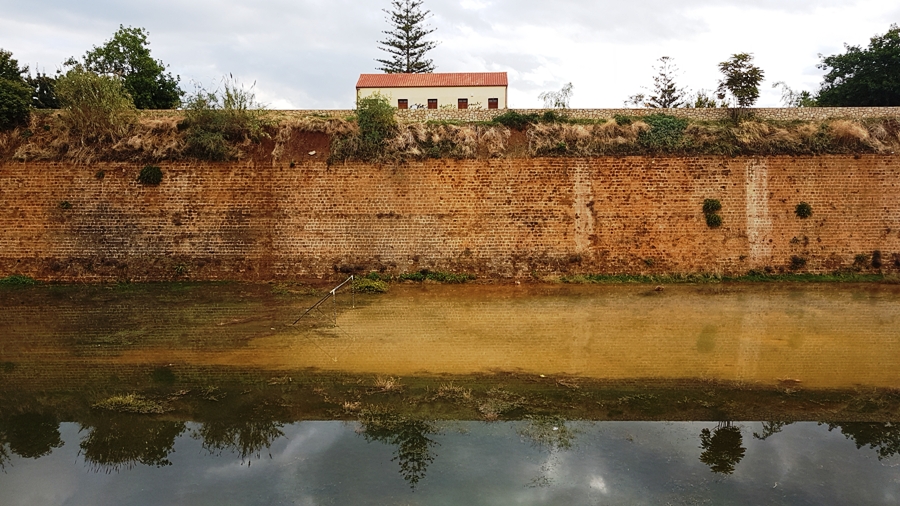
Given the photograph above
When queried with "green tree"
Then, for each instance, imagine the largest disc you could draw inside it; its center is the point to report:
(406, 42)
(792, 98)
(127, 56)
(665, 93)
(15, 94)
(864, 77)
(740, 80)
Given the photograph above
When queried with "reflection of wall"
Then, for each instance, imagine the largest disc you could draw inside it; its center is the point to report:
(501, 217)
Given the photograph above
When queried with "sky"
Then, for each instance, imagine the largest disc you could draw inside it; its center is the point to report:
(308, 54)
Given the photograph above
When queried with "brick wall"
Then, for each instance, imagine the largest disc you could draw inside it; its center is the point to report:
(503, 217)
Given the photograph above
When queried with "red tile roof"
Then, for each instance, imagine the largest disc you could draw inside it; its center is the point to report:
(431, 80)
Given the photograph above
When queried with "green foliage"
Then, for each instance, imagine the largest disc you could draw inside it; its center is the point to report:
(65, 204)
(713, 220)
(95, 107)
(216, 121)
(411, 437)
(377, 124)
(740, 79)
(368, 285)
(127, 56)
(15, 94)
(406, 42)
(666, 132)
(150, 175)
(803, 210)
(43, 91)
(513, 119)
(440, 277)
(623, 120)
(557, 99)
(864, 77)
(711, 206)
(17, 280)
(791, 98)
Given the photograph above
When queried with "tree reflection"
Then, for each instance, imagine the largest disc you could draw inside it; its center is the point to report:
(550, 433)
(32, 435)
(722, 449)
(244, 437)
(122, 442)
(770, 429)
(410, 436)
(884, 438)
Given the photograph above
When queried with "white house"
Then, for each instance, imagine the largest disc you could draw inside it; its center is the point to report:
(459, 90)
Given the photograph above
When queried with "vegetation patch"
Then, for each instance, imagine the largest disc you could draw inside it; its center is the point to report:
(440, 277)
(17, 280)
(151, 175)
(131, 403)
(803, 210)
(367, 285)
(217, 122)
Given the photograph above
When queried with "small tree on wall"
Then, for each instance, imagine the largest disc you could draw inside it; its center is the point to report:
(406, 42)
(665, 93)
(740, 80)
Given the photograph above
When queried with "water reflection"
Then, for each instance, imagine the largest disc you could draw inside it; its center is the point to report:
(245, 438)
(117, 442)
(884, 438)
(722, 447)
(413, 439)
(31, 435)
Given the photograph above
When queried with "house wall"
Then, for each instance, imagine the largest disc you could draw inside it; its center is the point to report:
(445, 95)
(500, 217)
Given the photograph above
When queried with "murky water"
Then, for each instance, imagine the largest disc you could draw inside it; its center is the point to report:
(824, 335)
(436, 394)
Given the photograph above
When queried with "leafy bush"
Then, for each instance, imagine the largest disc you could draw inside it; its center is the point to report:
(711, 206)
(713, 220)
(218, 120)
(513, 119)
(15, 94)
(803, 210)
(150, 175)
(666, 132)
(95, 107)
(623, 120)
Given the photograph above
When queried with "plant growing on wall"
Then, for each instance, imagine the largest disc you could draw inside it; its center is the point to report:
(803, 210)
(406, 42)
(95, 107)
(150, 175)
(711, 208)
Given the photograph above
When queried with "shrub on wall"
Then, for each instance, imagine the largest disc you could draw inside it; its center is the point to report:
(95, 107)
(216, 121)
(803, 210)
(710, 208)
(666, 132)
(150, 175)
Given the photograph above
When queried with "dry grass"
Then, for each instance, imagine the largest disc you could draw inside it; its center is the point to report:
(454, 392)
(583, 140)
(437, 140)
(388, 384)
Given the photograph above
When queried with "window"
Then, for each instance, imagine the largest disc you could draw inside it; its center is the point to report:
(402, 103)
(493, 103)
(463, 103)
(432, 103)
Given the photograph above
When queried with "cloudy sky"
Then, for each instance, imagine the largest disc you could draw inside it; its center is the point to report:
(306, 54)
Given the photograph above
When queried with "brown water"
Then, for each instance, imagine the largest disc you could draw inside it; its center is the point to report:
(814, 335)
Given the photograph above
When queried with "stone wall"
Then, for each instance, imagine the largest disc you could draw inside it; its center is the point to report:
(774, 113)
(502, 217)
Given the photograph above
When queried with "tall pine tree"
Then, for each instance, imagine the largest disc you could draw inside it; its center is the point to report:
(406, 42)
